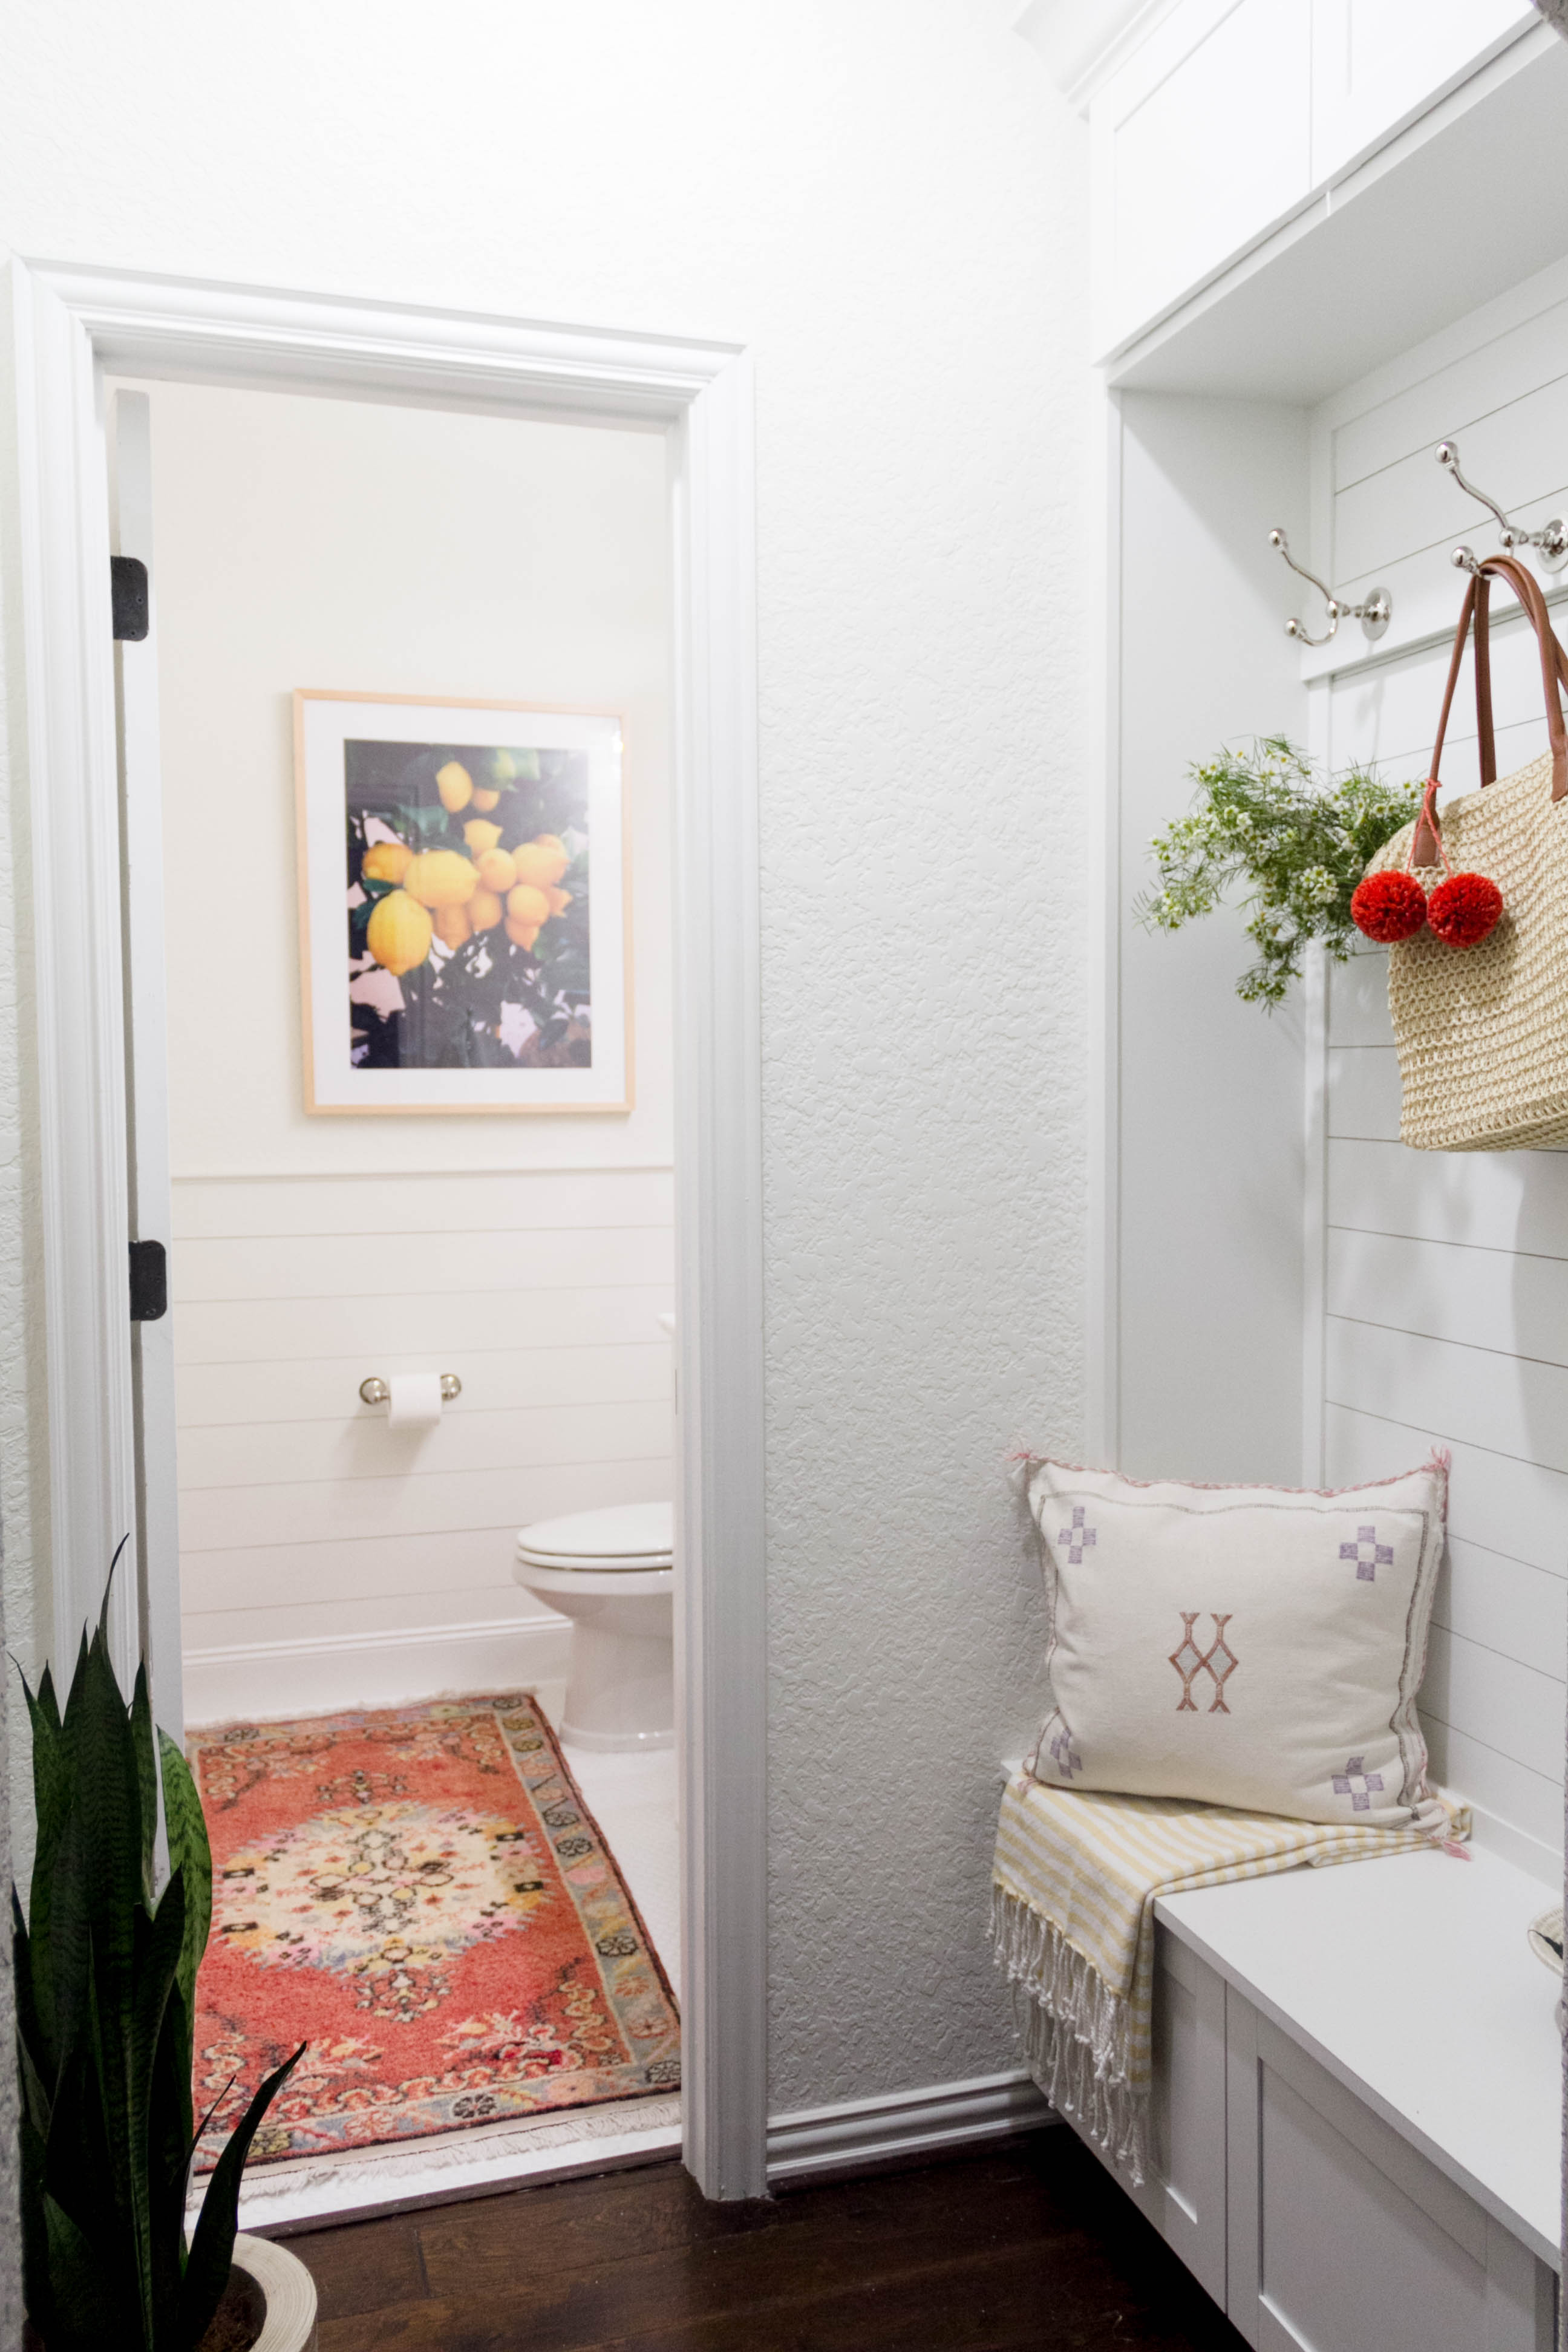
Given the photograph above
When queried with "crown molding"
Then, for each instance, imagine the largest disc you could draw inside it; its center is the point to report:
(1084, 41)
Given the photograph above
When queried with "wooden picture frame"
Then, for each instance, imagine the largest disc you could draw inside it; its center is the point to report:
(478, 861)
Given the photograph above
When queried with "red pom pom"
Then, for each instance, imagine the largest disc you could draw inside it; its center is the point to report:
(1389, 907)
(1464, 909)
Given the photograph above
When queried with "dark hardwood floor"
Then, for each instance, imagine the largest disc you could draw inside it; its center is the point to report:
(1029, 2246)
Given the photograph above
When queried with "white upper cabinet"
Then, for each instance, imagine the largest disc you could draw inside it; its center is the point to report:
(1200, 141)
(1231, 113)
(1375, 63)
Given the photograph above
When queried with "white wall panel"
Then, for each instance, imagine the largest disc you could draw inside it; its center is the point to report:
(1528, 1802)
(304, 1515)
(306, 1266)
(311, 1389)
(1489, 1199)
(392, 1322)
(476, 1201)
(1446, 1274)
(1503, 1403)
(1506, 1605)
(1364, 1091)
(1495, 1500)
(1497, 1299)
(1474, 1690)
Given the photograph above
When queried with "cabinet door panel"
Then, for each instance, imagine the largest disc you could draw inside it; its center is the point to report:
(1342, 2236)
(1189, 2110)
(1201, 142)
(1371, 2267)
(1376, 63)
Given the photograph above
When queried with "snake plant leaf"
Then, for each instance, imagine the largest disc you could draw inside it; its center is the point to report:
(145, 1745)
(69, 1931)
(169, 2149)
(31, 2152)
(190, 1854)
(36, 2067)
(105, 1973)
(104, 1764)
(83, 2316)
(212, 2247)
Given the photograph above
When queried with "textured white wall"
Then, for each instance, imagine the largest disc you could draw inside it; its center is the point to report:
(885, 201)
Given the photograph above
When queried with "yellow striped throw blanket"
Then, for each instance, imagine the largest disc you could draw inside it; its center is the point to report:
(1074, 1885)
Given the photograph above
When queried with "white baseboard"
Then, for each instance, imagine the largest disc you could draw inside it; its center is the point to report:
(1526, 1853)
(818, 2142)
(313, 1677)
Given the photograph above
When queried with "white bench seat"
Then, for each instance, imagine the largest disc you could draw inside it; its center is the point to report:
(1358, 2105)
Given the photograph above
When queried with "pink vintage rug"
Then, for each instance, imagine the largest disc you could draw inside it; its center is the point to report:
(421, 1894)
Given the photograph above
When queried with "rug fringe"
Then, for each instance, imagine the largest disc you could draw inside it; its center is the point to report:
(1075, 2032)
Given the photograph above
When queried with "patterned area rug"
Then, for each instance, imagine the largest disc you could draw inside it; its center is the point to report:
(421, 1894)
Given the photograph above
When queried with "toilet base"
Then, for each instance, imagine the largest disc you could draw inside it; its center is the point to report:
(614, 1743)
(620, 1684)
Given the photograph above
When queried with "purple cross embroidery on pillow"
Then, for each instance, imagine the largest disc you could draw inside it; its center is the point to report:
(1078, 1536)
(1368, 1554)
(1358, 1785)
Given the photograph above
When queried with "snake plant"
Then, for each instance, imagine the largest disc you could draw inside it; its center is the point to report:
(105, 1975)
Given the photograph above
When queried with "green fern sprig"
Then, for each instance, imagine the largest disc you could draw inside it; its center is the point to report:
(1262, 818)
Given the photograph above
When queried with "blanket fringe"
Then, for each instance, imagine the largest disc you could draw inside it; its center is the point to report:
(1075, 2032)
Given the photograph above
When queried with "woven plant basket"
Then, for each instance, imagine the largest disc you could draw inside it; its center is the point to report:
(1482, 1031)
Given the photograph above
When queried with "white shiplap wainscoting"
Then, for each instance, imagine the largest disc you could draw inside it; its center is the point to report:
(327, 1559)
(1445, 1274)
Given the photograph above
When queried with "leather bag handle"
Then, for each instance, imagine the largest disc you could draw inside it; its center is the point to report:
(1424, 847)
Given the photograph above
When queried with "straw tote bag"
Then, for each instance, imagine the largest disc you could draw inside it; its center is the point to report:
(1482, 1031)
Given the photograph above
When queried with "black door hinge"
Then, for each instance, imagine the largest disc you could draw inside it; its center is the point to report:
(128, 588)
(149, 1282)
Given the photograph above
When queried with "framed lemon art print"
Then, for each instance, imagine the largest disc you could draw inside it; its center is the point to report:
(464, 906)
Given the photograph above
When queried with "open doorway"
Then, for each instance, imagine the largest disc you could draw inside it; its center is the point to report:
(414, 1393)
(76, 325)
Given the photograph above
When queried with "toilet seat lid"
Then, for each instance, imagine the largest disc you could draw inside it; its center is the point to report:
(630, 1535)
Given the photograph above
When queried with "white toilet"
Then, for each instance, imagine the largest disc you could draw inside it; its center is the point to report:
(613, 1573)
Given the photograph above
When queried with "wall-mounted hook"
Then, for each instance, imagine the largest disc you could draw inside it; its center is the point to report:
(1550, 542)
(1375, 612)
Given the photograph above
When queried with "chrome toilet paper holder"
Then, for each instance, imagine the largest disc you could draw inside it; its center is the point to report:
(376, 1391)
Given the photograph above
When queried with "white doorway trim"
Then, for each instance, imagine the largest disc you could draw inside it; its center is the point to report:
(72, 325)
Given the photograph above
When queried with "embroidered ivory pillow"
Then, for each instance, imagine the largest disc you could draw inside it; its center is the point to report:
(1245, 1645)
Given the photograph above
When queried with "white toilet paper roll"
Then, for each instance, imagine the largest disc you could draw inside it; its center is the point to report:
(414, 1401)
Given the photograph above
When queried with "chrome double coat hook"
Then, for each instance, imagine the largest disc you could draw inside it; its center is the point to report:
(1550, 542)
(1375, 612)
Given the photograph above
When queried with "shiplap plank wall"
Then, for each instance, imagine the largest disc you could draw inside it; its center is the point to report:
(1445, 1279)
(303, 1516)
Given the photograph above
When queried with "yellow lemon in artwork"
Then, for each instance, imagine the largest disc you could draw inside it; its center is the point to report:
(452, 926)
(528, 904)
(484, 910)
(455, 785)
(480, 835)
(386, 861)
(497, 871)
(441, 878)
(503, 767)
(524, 933)
(559, 900)
(484, 798)
(399, 933)
(541, 861)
